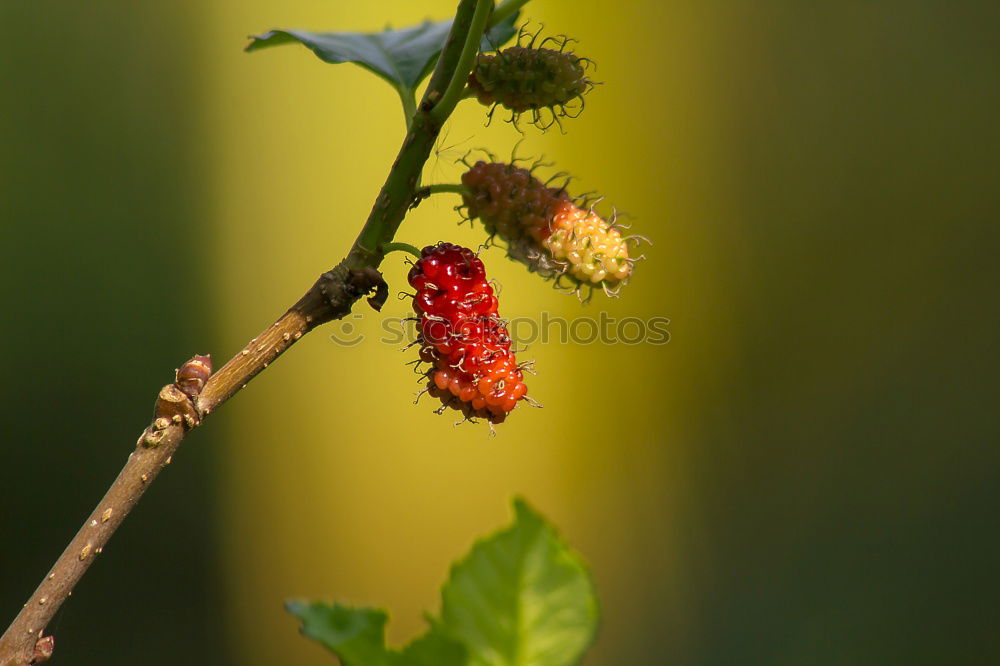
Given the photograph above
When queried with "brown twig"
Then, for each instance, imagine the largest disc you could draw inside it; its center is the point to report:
(180, 407)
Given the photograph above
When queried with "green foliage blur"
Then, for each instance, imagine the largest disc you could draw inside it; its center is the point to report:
(521, 596)
(807, 473)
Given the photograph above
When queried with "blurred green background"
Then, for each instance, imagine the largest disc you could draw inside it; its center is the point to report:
(808, 473)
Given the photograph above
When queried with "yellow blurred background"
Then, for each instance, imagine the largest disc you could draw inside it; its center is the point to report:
(806, 474)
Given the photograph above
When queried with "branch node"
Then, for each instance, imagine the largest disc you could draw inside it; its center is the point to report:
(174, 407)
(342, 286)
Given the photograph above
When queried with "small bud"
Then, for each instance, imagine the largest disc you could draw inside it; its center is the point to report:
(192, 376)
(44, 647)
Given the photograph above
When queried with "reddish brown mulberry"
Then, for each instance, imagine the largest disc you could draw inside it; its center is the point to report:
(544, 228)
(461, 335)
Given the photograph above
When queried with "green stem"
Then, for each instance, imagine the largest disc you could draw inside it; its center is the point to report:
(409, 104)
(447, 187)
(505, 9)
(397, 193)
(456, 87)
(398, 246)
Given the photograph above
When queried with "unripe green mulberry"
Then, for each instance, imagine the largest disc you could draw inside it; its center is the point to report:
(545, 229)
(527, 79)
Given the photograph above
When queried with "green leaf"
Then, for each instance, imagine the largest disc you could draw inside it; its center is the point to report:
(401, 57)
(520, 598)
(433, 649)
(355, 635)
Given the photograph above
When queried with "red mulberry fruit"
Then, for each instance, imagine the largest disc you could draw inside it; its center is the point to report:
(461, 335)
(527, 79)
(544, 228)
